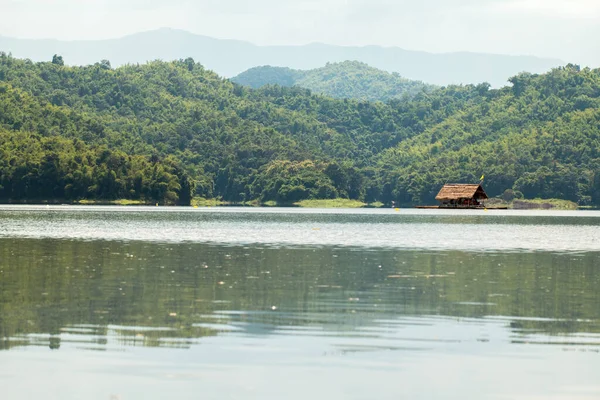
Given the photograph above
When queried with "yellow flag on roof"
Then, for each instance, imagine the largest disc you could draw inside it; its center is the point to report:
(482, 176)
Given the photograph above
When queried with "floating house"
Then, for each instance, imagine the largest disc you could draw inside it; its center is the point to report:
(458, 195)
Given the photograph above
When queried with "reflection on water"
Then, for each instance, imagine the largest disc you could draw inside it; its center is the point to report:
(232, 319)
(101, 293)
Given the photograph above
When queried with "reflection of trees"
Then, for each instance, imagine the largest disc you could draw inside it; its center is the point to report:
(173, 294)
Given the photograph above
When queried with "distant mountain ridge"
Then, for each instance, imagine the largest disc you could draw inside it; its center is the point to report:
(231, 57)
(345, 80)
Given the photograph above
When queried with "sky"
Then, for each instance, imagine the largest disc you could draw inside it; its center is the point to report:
(565, 29)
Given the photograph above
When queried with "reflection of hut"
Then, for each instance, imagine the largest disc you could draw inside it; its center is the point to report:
(458, 195)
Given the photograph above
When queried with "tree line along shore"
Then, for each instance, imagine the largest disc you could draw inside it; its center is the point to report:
(171, 132)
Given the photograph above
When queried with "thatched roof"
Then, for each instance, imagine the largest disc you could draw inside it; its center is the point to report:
(455, 191)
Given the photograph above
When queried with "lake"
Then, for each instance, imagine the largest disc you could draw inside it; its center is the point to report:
(127, 303)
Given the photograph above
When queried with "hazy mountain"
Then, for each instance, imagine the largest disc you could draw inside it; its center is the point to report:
(345, 80)
(231, 57)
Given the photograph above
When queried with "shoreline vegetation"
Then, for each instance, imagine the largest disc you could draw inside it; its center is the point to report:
(517, 204)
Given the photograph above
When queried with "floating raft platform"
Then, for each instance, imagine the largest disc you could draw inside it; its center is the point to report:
(462, 196)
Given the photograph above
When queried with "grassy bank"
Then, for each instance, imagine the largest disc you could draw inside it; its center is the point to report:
(330, 203)
(545, 204)
(319, 203)
(120, 202)
(202, 202)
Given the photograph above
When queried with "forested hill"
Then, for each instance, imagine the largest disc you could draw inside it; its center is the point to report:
(165, 131)
(541, 138)
(345, 80)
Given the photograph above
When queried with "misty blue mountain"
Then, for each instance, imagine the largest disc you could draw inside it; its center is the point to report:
(232, 57)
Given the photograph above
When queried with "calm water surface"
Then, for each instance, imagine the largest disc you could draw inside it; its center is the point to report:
(155, 303)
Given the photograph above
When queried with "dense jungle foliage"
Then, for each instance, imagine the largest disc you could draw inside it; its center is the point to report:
(345, 80)
(168, 131)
